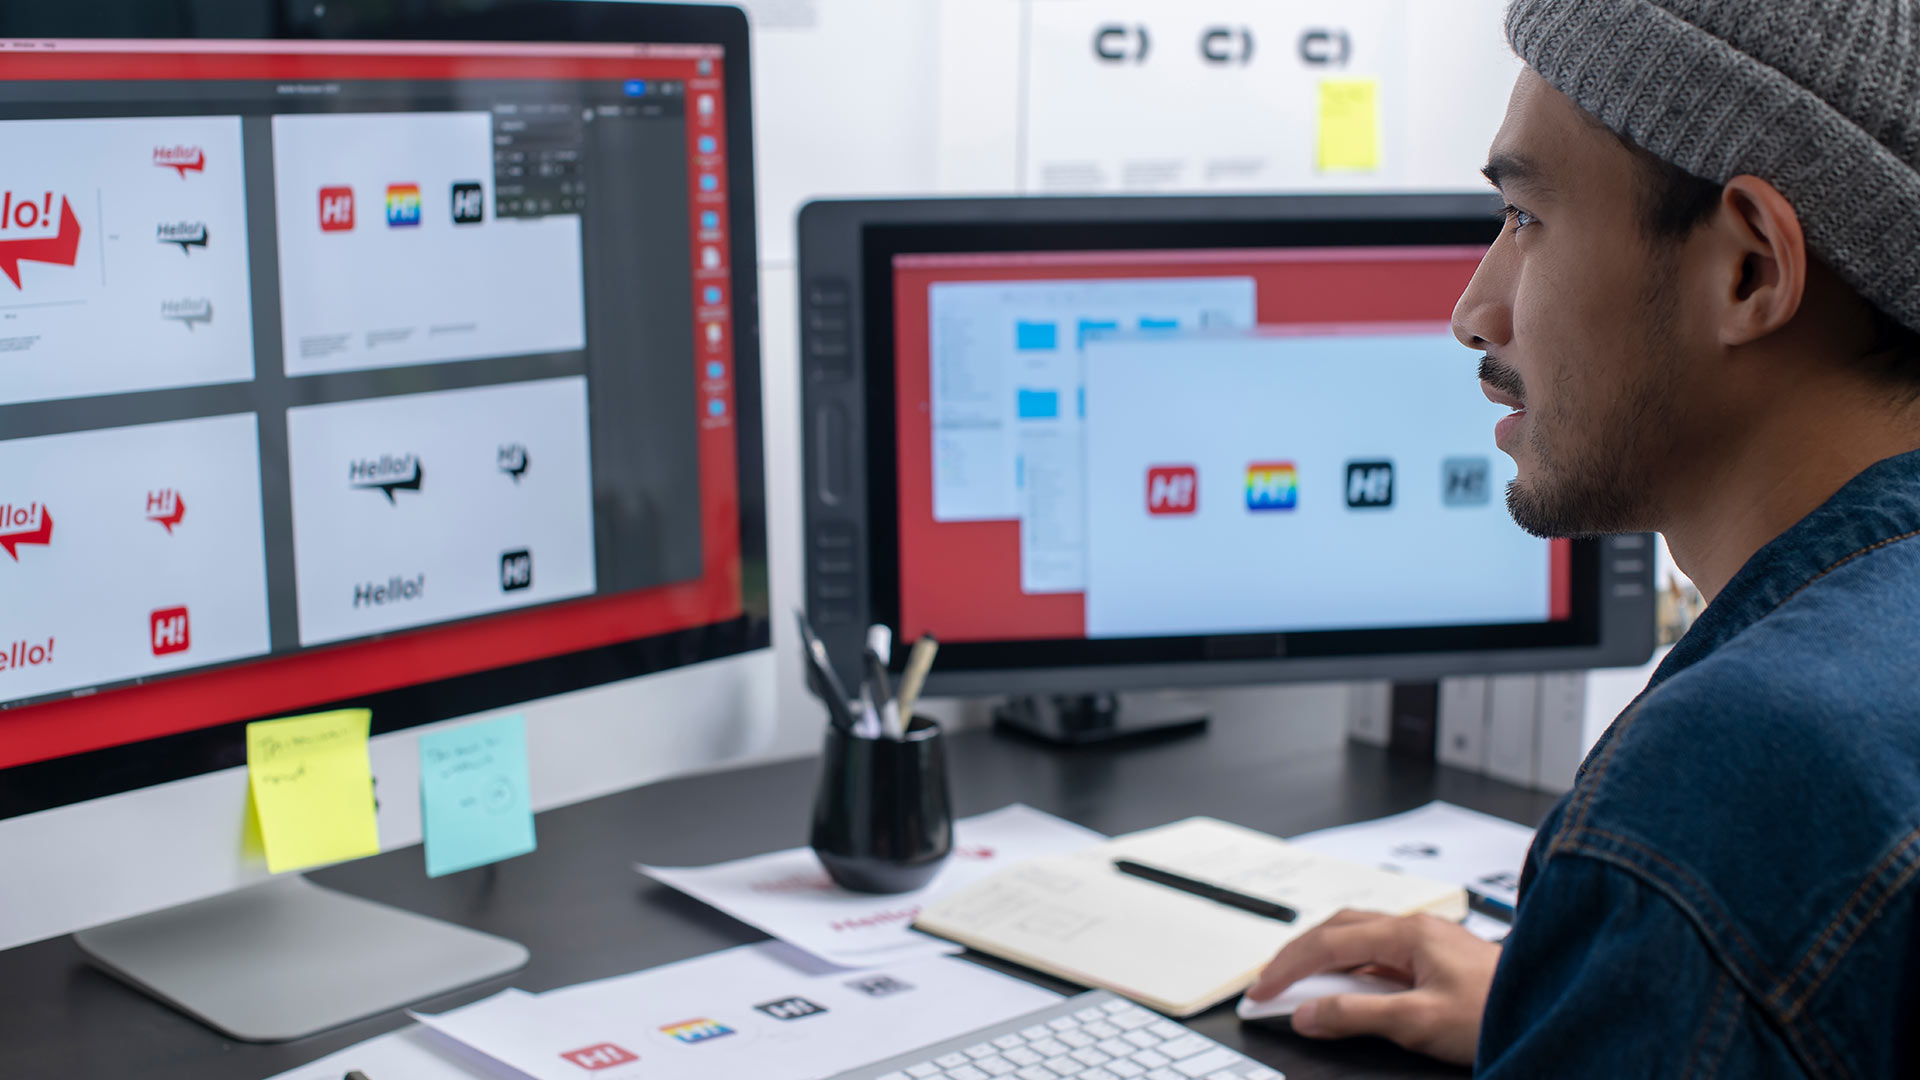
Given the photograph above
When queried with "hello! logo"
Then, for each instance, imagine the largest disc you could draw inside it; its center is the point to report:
(19, 654)
(23, 525)
(600, 1056)
(181, 159)
(166, 508)
(1173, 490)
(397, 589)
(188, 234)
(336, 208)
(188, 311)
(31, 231)
(172, 631)
(387, 474)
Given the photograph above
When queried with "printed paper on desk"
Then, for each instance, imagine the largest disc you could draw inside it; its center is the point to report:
(741, 1012)
(412, 1053)
(788, 896)
(1439, 841)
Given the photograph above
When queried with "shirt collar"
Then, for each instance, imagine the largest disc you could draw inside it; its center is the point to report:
(1877, 507)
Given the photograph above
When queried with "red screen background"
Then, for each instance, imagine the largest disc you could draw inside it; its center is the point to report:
(961, 580)
(289, 683)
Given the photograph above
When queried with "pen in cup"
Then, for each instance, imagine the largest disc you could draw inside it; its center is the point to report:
(919, 662)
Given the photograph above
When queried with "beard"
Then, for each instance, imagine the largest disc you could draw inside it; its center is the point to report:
(1594, 461)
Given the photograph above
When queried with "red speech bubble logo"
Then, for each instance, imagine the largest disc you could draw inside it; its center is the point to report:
(167, 508)
(180, 158)
(43, 535)
(59, 250)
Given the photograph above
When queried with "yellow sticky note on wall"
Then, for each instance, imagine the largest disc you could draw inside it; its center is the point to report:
(1349, 125)
(311, 787)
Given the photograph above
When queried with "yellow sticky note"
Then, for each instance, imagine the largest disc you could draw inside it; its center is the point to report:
(312, 788)
(1349, 125)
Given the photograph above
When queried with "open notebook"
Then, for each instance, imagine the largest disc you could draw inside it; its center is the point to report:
(1077, 918)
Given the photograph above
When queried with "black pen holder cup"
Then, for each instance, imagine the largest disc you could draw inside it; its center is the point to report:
(882, 822)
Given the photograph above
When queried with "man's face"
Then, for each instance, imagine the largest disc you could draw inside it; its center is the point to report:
(1581, 319)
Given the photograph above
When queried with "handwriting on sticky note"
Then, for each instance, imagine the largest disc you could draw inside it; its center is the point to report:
(1349, 125)
(474, 804)
(311, 788)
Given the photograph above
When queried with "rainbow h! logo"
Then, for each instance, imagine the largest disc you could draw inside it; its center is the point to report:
(693, 1031)
(403, 205)
(1272, 486)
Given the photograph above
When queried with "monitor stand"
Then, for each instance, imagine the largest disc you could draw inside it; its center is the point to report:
(288, 958)
(1085, 719)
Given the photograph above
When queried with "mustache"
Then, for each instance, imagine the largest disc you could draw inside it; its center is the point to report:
(1502, 378)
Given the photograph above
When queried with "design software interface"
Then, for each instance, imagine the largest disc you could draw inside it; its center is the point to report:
(1164, 443)
(301, 345)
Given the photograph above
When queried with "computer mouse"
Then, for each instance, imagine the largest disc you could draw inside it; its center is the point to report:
(1314, 986)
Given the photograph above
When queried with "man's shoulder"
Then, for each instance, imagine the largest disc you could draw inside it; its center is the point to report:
(1768, 787)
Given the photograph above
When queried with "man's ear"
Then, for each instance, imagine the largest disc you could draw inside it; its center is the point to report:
(1763, 253)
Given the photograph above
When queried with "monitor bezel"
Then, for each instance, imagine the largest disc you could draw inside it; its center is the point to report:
(852, 244)
(44, 785)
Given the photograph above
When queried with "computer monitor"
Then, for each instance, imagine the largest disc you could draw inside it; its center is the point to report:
(1113, 444)
(419, 375)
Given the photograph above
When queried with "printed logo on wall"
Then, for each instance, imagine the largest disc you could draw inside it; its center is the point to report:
(30, 231)
(793, 1008)
(1173, 489)
(1369, 485)
(600, 1056)
(387, 474)
(171, 632)
(22, 525)
(696, 1031)
(188, 234)
(166, 508)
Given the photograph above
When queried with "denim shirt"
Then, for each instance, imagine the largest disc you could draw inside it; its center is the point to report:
(1732, 888)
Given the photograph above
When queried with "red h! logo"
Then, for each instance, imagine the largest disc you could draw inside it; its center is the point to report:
(1173, 489)
(336, 209)
(170, 631)
(603, 1056)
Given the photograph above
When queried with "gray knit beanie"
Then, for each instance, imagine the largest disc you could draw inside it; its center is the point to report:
(1820, 98)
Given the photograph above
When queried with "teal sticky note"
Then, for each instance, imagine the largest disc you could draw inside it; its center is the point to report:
(474, 807)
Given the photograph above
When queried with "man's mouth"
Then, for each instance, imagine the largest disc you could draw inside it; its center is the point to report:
(1500, 397)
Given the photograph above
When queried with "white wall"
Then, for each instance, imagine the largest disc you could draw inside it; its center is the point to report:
(914, 97)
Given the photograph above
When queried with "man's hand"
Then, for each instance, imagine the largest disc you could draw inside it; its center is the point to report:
(1449, 969)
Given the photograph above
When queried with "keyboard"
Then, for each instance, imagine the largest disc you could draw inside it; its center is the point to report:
(1094, 1036)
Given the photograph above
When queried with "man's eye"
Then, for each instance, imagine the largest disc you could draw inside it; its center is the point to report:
(1520, 218)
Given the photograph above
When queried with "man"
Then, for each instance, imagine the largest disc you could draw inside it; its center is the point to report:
(1703, 312)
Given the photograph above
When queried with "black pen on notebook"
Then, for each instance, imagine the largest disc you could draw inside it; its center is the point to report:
(1252, 904)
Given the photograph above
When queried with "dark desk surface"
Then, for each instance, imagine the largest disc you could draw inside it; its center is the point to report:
(579, 905)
